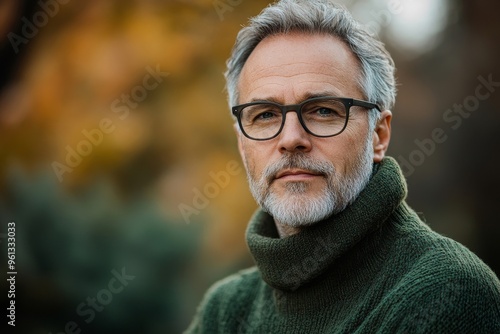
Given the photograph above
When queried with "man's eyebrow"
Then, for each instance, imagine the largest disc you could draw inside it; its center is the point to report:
(265, 99)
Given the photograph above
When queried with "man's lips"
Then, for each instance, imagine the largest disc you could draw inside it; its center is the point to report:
(295, 174)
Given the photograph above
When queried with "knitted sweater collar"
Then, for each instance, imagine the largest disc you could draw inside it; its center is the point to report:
(316, 248)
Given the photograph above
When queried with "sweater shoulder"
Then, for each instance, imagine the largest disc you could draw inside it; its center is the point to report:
(448, 259)
(429, 253)
(446, 283)
(235, 285)
(225, 301)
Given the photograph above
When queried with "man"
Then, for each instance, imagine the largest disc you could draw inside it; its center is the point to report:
(336, 247)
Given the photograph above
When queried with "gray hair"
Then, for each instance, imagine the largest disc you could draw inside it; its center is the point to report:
(324, 17)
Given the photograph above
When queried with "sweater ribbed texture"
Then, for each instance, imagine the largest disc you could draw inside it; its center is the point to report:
(373, 268)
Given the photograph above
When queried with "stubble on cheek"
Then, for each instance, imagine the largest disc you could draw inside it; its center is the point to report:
(254, 181)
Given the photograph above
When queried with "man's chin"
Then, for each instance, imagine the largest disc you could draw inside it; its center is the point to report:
(298, 209)
(298, 221)
(297, 188)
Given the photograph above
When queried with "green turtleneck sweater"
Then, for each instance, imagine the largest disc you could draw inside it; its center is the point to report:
(373, 268)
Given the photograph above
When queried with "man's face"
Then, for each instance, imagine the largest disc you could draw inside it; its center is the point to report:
(297, 177)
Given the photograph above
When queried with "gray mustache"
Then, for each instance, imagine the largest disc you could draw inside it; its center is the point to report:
(298, 161)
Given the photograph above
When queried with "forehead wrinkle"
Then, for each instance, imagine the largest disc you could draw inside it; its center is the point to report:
(329, 76)
(315, 70)
(318, 77)
(254, 75)
(337, 89)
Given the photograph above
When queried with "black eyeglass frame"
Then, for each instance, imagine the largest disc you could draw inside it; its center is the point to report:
(297, 108)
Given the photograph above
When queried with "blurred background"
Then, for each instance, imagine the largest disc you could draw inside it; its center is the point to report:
(118, 158)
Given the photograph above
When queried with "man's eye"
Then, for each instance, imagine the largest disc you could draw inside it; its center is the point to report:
(325, 111)
(266, 114)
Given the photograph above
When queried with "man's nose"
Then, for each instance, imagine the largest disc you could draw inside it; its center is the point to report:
(293, 136)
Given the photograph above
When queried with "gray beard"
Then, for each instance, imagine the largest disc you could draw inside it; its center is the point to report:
(298, 208)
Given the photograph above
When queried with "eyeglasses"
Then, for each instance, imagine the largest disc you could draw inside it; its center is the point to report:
(320, 116)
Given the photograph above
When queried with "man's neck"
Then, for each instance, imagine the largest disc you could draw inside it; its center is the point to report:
(286, 230)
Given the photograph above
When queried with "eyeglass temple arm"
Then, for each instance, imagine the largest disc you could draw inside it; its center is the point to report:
(365, 104)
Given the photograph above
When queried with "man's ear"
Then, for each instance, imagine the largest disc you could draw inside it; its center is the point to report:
(382, 135)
